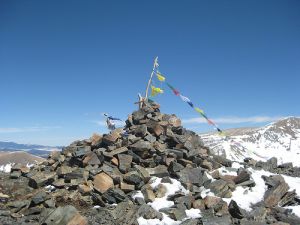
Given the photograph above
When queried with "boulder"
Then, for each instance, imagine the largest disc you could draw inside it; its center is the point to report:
(40, 179)
(124, 162)
(147, 212)
(191, 175)
(91, 159)
(142, 148)
(67, 215)
(274, 194)
(102, 182)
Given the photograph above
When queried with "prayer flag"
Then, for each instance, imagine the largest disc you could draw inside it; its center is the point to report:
(156, 62)
(160, 77)
(199, 110)
(210, 122)
(155, 91)
(113, 118)
(187, 100)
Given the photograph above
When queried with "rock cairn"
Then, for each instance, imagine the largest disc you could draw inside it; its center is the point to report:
(108, 170)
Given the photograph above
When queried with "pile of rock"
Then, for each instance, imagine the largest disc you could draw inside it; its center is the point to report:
(272, 166)
(109, 170)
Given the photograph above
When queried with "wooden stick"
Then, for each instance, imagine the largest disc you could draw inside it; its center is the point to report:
(149, 82)
(141, 101)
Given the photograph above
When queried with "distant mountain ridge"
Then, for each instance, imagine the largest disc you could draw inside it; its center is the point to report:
(37, 150)
(14, 145)
(280, 139)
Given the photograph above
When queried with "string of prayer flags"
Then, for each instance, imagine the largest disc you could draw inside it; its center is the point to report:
(187, 100)
(160, 77)
(155, 91)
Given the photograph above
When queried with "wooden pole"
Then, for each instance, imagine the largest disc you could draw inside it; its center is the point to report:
(140, 102)
(152, 73)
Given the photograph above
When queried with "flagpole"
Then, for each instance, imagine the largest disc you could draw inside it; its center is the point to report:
(152, 73)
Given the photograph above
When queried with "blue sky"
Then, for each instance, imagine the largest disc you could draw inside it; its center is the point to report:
(63, 63)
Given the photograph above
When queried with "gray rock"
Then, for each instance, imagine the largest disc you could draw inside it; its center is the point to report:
(115, 152)
(91, 158)
(242, 177)
(40, 179)
(114, 195)
(62, 216)
(284, 215)
(208, 218)
(274, 194)
(288, 199)
(235, 211)
(191, 222)
(140, 130)
(50, 203)
(110, 139)
(191, 175)
(125, 213)
(82, 150)
(133, 177)
(15, 174)
(150, 138)
(272, 162)
(18, 205)
(223, 161)
(147, 212)
(219, 187)
(142, 148)
(159, 171)
(249, 183)
(39, 197)
(179, 153)
(138, 115)
(4, 212)
(197, 152)
(63, 170)
(175, 167)
(148, 193)
(251, 222)
(124, 162)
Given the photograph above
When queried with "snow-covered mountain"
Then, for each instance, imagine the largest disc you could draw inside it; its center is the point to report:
(280, 139)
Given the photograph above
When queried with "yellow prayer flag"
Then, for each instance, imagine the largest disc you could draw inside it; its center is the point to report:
(199, 110)
(160, 77)
(155, 91)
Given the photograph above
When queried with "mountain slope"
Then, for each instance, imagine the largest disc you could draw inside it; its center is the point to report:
(280, 139)
(7, 159)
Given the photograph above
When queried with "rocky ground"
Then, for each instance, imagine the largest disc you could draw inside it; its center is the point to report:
(156, 172)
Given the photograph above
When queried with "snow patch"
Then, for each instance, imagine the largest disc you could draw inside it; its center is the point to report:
(6, 168)
(160, 203)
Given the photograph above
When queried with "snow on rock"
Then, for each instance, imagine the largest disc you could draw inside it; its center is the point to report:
(6, 168)
(295, 209)
(138, 194)
(193, 213)
(160, 203)
(245, 197)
